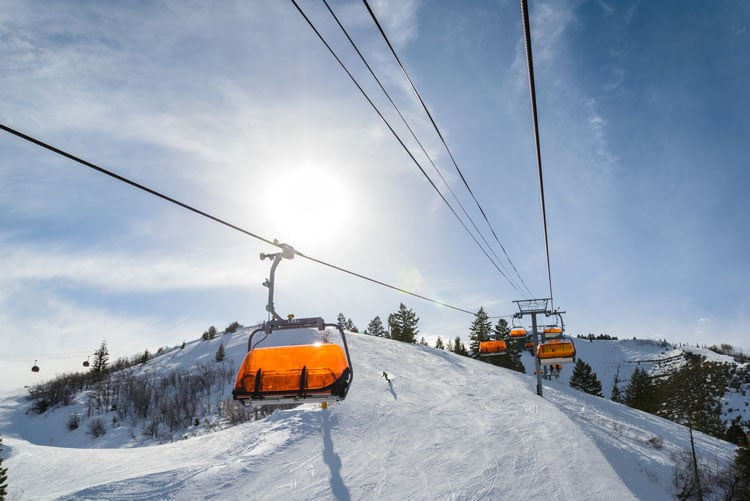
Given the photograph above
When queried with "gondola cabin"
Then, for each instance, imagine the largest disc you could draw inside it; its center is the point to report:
(517, 332)
(35, 367)
(306, 367)
(556, 351)
(492, 348)
(553, 332)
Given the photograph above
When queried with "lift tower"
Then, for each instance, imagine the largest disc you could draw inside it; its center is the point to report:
(533, 307)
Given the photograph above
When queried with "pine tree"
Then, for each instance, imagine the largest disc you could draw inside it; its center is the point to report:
(502, 329)
(350, 326)
(101, 359)
(423, 342)
(209, 334)
(480, 331)
(640, 393)
(439, 343)
(616, 393)
(741, 472)
(375, 327)
(403, 325)
(232, 328)
(341, 320)
(584, 379)
(459, 348)
(3, 473)
(220, 354)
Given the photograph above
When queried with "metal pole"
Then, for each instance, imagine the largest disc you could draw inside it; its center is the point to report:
(537, 367)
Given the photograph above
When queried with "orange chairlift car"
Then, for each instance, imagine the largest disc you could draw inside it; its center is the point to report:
(556, 351)
(553, 332)
(306, 367)
(492, 348)
(518, 332)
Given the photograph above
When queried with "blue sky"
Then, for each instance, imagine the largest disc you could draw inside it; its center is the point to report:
(244, 114)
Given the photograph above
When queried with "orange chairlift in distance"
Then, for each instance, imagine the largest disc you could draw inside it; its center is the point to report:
(319, 371)
(553, 332)
(518, 332)
(556, 351)
(492, 348)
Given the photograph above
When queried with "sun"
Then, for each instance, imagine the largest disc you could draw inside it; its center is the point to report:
(309, 204)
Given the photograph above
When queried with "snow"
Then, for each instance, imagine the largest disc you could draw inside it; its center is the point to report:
(445, 427)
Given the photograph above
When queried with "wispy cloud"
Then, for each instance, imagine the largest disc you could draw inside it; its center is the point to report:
(136, 271)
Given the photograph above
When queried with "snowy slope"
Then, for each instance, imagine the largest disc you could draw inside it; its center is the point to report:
(447, 427)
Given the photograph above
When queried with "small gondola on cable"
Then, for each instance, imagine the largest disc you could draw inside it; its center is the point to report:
(293, 360)
(35, 367)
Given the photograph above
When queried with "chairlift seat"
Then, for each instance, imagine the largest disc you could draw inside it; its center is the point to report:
(492, 348)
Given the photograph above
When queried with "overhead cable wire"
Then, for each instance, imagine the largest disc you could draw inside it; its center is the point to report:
(535, 119)
(442, 139)
(413, 135)
(186, 206)
(400, 141)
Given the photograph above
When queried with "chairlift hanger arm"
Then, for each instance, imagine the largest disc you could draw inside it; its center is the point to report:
(287, 251)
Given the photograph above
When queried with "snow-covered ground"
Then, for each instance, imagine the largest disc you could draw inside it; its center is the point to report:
(445, 427)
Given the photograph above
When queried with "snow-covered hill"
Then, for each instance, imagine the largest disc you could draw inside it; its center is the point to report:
(445, 427)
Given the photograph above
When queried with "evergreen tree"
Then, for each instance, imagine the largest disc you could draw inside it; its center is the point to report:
(616, 393)
(403, 325)
(220, 354)
(101, 359)
(3, 473)
(232, 328)
(692, 395)
(350, 326)
(480, 330)
(145, 357)
(741, 472)
(375, 327)
(502, 329)
(584, 379)
(423, 342)
(439, 343)
(209, 334)
(449, 346)
(341, 320)
(459, 348)
(640, 393)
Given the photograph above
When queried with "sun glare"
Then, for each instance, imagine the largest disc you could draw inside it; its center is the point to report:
(309, 205)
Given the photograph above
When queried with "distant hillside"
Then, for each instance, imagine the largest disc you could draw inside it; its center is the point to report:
(723, 379)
